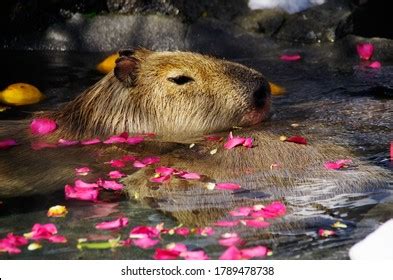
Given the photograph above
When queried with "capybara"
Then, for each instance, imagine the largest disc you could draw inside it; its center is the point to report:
(182, 97)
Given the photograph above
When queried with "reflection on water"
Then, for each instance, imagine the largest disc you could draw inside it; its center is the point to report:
(333, 102)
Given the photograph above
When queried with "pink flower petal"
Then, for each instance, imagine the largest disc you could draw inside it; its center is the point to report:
(67, 143)
(163, 170)
(11, 243)
(241, 211)
(227, 186)
(230, 239)
(226, 223)
(82, 171)
(144, 231)
(206, 231)
(233, 142)
(232, 253)
(180, 247)
(182, 231)
(160, 179)
(42, 126)
(115, 224)
(118, 163)
(115, 140)
(116, 174)
(57, 239)
(248, 142)
(134, 140)
(146, 161)
(7, 143)
(91, 141)
(273, 210)
(16, 239)
(190, 175)
(139, 164)
(165, 254)
(375, 65)
(365, 50)
(255, 223)
(112, 185)
(47, 232)
(326, 232)
(338, 164)
(290, 57)
(297, 139)
(257, 251)
(81, 194)
(83, 185)
(194, 255)
(145, 243)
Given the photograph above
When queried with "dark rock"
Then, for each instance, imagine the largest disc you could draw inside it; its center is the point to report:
(164, 7)
(317, 24)
(262, 21)
(369, 19)
(107, 33)
(187, 10)
(18, 17)
(226, 40)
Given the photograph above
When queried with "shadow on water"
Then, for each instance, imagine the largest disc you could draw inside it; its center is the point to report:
(332, 102)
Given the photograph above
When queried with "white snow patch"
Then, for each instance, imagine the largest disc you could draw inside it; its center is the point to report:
(291, 6)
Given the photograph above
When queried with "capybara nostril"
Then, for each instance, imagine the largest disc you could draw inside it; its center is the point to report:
(261, 95)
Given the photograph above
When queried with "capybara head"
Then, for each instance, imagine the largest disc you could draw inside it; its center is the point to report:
(172, 94)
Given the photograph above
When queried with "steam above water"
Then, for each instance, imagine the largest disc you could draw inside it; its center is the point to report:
(291, 6)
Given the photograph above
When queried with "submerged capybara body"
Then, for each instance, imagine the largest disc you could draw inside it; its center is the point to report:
(180, 97)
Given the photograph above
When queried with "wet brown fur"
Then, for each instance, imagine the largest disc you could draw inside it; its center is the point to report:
(219, 97)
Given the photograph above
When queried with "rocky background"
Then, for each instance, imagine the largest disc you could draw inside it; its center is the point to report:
(220, 27)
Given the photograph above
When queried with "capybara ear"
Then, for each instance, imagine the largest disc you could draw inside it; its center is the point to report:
(139, 53)
(126, 69)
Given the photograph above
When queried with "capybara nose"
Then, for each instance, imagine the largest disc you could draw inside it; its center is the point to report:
(261, 95)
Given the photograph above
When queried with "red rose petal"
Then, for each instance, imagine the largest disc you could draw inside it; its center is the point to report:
(165, 254)
(297, 139)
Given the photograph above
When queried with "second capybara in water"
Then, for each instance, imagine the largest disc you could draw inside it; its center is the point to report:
(180, 97)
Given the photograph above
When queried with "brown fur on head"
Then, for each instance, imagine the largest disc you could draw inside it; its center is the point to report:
(172, 94)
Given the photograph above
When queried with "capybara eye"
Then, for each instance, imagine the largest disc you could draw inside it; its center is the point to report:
(180, 80)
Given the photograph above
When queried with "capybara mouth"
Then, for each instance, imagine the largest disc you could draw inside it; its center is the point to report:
(257, 114)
